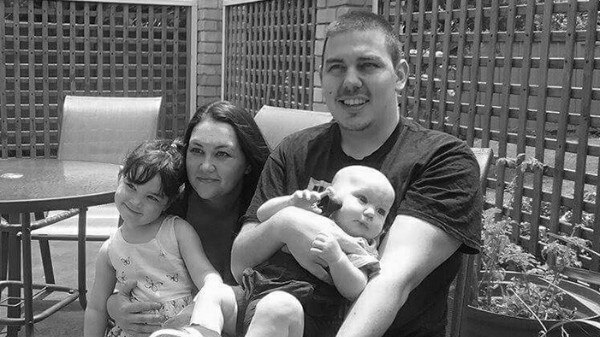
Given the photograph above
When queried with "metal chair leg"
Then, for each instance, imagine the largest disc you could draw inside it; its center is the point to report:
(81, 257)
(46, 261)
(3, 255)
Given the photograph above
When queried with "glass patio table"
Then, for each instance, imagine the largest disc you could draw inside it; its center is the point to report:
(38, 185)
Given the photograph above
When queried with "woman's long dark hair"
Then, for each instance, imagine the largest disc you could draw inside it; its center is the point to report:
(249, 137)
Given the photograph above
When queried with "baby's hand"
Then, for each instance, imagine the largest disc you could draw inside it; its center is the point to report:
(327, 248)
(307, 199)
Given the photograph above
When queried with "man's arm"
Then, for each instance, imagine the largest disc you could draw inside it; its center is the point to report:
(411, 250)
(272, 206)
(294, 227)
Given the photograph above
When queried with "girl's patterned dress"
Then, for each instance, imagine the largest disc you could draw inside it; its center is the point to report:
(158, 268)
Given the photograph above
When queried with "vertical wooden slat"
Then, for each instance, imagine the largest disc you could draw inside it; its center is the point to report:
(3, 80)
(432, 64)
(138, 49)
(445, 66)
(163, 63)
(586, 105)
(278, 52)
(45, 85)
(559, 158)
(250, 56)
(270, 50)
(419, 60)
(540, 128)
(311, 54)
(126, 62)
(175, 106)
(31, 80)
(489, 76)
(523, 108)
(17, 81)
(460, 61)
(151, 25)
(474, 74)
(263, 55)
(72, 48)
(588, 79)
(60, 66)
(305, 55)
(86, 47)
(407, 18)
(503, 133)
(99, 43)
(297, 47)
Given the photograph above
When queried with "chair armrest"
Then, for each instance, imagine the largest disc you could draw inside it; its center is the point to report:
(54, 219)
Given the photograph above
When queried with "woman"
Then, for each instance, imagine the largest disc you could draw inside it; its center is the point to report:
(224, 153)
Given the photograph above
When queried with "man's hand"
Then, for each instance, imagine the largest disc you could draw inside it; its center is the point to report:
(326, 247)
(135, 318)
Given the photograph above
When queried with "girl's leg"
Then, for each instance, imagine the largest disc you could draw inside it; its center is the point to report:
(278, 314)
(216, 309)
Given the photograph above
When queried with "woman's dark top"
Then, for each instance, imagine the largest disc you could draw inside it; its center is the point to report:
(215, 227)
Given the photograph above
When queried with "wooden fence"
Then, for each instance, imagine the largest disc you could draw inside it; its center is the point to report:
(520, 76)
(49, 49)
(269, 53)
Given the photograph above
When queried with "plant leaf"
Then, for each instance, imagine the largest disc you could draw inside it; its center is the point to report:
(574, 322)
(595, 307)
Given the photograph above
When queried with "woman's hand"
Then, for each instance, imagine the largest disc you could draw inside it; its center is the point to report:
(136, 318)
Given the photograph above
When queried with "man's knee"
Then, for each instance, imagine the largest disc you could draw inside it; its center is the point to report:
(280, 305)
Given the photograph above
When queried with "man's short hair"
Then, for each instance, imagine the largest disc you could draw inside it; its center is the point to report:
(362, 21)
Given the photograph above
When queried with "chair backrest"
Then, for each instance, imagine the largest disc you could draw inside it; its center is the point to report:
(277, 123)
(104, 129)
(465, 282)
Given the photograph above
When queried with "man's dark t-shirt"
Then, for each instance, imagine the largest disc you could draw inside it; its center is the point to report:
(435, 177)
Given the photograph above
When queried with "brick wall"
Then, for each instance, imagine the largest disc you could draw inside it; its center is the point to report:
(209, 51)
(210, 39)
(327, 11)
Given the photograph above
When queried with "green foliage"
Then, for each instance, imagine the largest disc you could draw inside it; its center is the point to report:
(523, 296)
(510, 295)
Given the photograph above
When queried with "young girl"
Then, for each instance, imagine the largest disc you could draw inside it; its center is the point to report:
(358, 201)
(161, 252)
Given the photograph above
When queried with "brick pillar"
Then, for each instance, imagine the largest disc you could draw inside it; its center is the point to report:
(209, 51)
(327, 11)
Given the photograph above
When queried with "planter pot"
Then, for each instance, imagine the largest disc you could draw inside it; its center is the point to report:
(482, 323)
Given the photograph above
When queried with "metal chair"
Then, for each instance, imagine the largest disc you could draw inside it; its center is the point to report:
(96, 129)
(466, 279)
(277, 123)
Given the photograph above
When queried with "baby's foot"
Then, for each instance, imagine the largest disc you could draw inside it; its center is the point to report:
(186, 331)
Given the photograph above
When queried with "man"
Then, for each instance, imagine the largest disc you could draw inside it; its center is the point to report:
(436, 214)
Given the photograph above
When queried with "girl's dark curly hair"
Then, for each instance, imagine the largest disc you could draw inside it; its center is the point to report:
(157, 157)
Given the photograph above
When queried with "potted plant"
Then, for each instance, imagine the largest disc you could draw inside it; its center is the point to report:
(519, 295)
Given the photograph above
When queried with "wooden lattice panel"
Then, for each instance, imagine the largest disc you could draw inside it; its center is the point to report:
(270, 54)
(50, 49)
(520, 77)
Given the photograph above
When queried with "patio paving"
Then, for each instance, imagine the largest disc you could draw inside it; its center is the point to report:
(69, 320)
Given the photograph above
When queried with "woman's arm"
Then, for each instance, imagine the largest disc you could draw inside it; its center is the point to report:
(349, 280)
(104, 283)
(410, 251)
